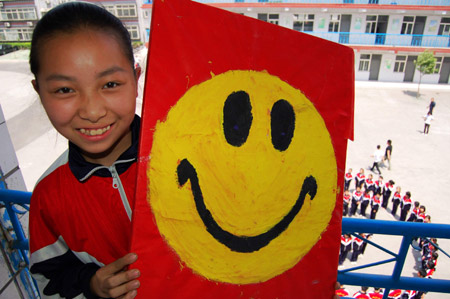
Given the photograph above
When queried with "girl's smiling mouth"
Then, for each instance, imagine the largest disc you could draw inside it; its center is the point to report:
(95, 132)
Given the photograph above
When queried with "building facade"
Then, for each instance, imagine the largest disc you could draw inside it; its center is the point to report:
(18, 17)
(386, 35)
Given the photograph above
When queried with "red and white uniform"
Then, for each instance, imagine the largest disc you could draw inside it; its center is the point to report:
(346, 241)
(395, 294)
(341, 293)
(421, 216)
(360, 178)
(376, 201)
(370, 184)
(348, 177)
(357, 196)
(376, 295)
(430, 272)
(406, 202)
(347, 198)
(366, 197)
(361, 295)
(80, 220)
(378, 186)
(397, 196)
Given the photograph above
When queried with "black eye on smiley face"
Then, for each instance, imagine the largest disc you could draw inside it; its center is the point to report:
(237, 121)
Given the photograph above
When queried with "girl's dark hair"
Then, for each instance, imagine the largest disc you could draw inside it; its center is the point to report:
(71, 17)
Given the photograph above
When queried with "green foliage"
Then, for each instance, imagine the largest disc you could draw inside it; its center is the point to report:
(20, 45)
(425, 63)
(137, 44)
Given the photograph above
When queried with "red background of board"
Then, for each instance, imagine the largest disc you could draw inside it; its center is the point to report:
(188, 42)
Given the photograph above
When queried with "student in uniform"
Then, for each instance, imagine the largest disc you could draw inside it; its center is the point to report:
(346, 247)
(396, 199)
(415, 212)
(348, 179)
(365, 201)
(80, 212)
(347, 198)
(405, 206)
(356, 199)
(375, 205)
(387, 190)
(356, 249)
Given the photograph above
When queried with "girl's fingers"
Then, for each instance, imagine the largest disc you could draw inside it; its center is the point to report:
(122, 279)
(126, 291)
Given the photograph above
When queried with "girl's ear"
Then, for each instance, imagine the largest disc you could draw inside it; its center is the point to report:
(137, 72)
(35, 85)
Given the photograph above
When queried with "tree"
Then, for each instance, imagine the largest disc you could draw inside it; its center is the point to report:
(425, 64)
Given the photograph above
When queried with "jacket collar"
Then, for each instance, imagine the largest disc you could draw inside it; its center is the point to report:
(83, 169)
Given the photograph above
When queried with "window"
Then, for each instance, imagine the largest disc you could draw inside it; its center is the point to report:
(407, 25)
(18, 14)
(371, 24)
(16, 34)
(271, 18)
(437, 67)
(364, 62)
(133, 30)
(122, 10)
(303, 22)
(400, 62)
(335, 20)
(444, 27)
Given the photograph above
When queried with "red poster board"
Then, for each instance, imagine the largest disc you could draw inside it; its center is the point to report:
(242, 156)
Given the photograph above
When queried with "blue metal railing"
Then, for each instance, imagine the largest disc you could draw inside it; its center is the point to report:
(409, 231)
(15, 242)
(399, 40)
(379, 2)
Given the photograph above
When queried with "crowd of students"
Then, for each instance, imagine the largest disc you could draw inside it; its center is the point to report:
(368, 196)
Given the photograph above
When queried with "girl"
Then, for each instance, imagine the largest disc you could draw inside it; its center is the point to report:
(375, 205)
(396, 200)
(80, 218)
(348, 179)
(405, 205)
(366, 199)
(360, 178)
(346, 202)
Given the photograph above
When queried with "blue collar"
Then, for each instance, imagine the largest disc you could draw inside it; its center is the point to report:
(83, 169)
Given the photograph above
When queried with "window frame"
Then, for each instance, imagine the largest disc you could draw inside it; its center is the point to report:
(400, 63)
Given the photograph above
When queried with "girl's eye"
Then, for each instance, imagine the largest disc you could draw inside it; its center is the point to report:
(110, 85)
(64, 90)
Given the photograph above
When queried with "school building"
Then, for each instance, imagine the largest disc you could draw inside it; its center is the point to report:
(387, 35)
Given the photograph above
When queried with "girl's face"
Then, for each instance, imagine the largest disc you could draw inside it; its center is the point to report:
(88, 89)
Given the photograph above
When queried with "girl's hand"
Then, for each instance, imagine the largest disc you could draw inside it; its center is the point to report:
(114, 281)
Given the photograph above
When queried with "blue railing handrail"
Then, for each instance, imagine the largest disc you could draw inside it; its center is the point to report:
(385, 39)
(10, 198)
(409, 230)
(379, 2)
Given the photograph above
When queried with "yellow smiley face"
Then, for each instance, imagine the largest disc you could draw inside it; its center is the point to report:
(242, 177)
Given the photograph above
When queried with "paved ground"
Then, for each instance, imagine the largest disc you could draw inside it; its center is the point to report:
(420, 163)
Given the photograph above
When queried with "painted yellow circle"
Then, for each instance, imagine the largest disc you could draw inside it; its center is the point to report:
(247, 189)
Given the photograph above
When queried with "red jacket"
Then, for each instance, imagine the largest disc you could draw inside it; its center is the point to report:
(80, 220)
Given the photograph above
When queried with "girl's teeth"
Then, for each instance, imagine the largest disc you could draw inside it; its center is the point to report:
(94, 132)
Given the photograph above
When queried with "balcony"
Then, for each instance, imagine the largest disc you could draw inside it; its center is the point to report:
(377, 39)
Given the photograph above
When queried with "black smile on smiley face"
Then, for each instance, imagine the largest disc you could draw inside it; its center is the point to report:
(237, 120)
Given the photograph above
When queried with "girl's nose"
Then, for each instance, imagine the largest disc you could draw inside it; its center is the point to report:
(93, 107)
